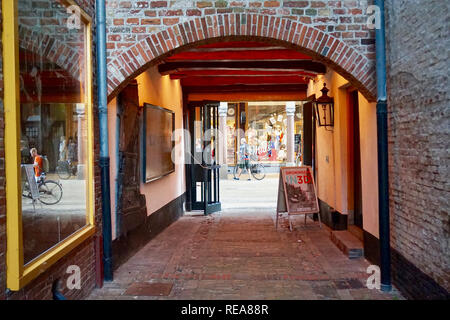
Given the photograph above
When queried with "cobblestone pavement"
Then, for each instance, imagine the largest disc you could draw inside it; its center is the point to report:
(238, 254)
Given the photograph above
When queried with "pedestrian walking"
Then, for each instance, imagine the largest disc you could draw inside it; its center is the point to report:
(244, 157)
(38, 164)
(72, 151)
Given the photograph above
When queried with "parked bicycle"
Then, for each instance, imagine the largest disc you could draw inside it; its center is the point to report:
(257, 169)
(65, 169)
(50, 192)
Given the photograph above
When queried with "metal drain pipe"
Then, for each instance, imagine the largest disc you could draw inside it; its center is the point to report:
(103, 124)
(382, 135)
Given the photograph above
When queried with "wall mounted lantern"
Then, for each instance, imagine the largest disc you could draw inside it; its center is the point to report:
(325, 109)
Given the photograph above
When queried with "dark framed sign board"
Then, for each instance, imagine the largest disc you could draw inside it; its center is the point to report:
(297, 193)
(158, 127)
(32, 184)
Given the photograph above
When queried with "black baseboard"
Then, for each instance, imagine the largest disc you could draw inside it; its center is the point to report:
(332, 218)
(371, 248)
(412, 282)
(406, 277)
(127, 245)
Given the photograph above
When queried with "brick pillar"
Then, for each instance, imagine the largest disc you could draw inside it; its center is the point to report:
(290, 111)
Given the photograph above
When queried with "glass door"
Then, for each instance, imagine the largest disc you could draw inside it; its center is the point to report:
(203, 167)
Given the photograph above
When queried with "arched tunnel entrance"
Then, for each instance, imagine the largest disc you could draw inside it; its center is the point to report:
(250, 82)
(104, 102)
(260, 93)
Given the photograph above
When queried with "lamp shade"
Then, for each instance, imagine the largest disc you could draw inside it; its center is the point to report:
(324, 106)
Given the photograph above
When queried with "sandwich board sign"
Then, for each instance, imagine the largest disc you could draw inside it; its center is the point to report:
(296, 193)
(29, 171)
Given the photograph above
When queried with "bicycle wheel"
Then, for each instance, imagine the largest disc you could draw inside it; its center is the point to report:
(258, 171)
(235, 171)
(63, 170)
(50, 192)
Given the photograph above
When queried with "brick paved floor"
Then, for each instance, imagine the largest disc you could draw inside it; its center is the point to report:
(238, 254)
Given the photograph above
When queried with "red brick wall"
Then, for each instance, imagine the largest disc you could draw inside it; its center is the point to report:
(140, 32)
(84, 255)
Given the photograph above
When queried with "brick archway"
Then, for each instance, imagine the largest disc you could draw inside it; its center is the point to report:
(51, 49)
(335, 53)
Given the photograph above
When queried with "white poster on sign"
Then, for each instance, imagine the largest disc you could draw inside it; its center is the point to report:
(297, 192)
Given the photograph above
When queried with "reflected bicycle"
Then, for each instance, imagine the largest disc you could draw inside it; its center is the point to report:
(50, 192)
(65, 169)
(257, 170)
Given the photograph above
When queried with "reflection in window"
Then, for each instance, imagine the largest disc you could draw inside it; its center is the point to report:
(52, 57)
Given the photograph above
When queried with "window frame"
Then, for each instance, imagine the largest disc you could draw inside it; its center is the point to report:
(17, 274)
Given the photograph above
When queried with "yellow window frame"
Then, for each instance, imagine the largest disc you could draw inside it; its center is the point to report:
(18, 274)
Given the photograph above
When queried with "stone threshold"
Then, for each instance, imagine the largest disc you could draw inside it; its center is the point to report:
(348, 243)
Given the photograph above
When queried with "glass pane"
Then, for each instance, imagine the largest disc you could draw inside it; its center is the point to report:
(231, 134)
(266, 131)
(198, 192)
(298, 120)
(53, 124)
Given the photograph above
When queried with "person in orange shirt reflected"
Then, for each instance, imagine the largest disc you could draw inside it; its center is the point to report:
(37, 164)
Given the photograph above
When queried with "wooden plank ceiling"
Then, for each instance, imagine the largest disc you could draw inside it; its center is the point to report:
(241, 66)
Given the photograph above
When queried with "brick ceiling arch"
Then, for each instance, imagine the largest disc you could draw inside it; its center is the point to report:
(52, 50)
(320, 45)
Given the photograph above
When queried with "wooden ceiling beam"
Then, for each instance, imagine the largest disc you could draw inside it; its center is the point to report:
(300, 88)
(287, 65)
(256, 48)
(51, 98)
(248, 96)
(48, 80)
(241, 73)
(256, 80)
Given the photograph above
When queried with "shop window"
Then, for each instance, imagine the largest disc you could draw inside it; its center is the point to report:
(265, 128)
(52, 134)
(231, 133)
(298, 134)
(266, 131)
